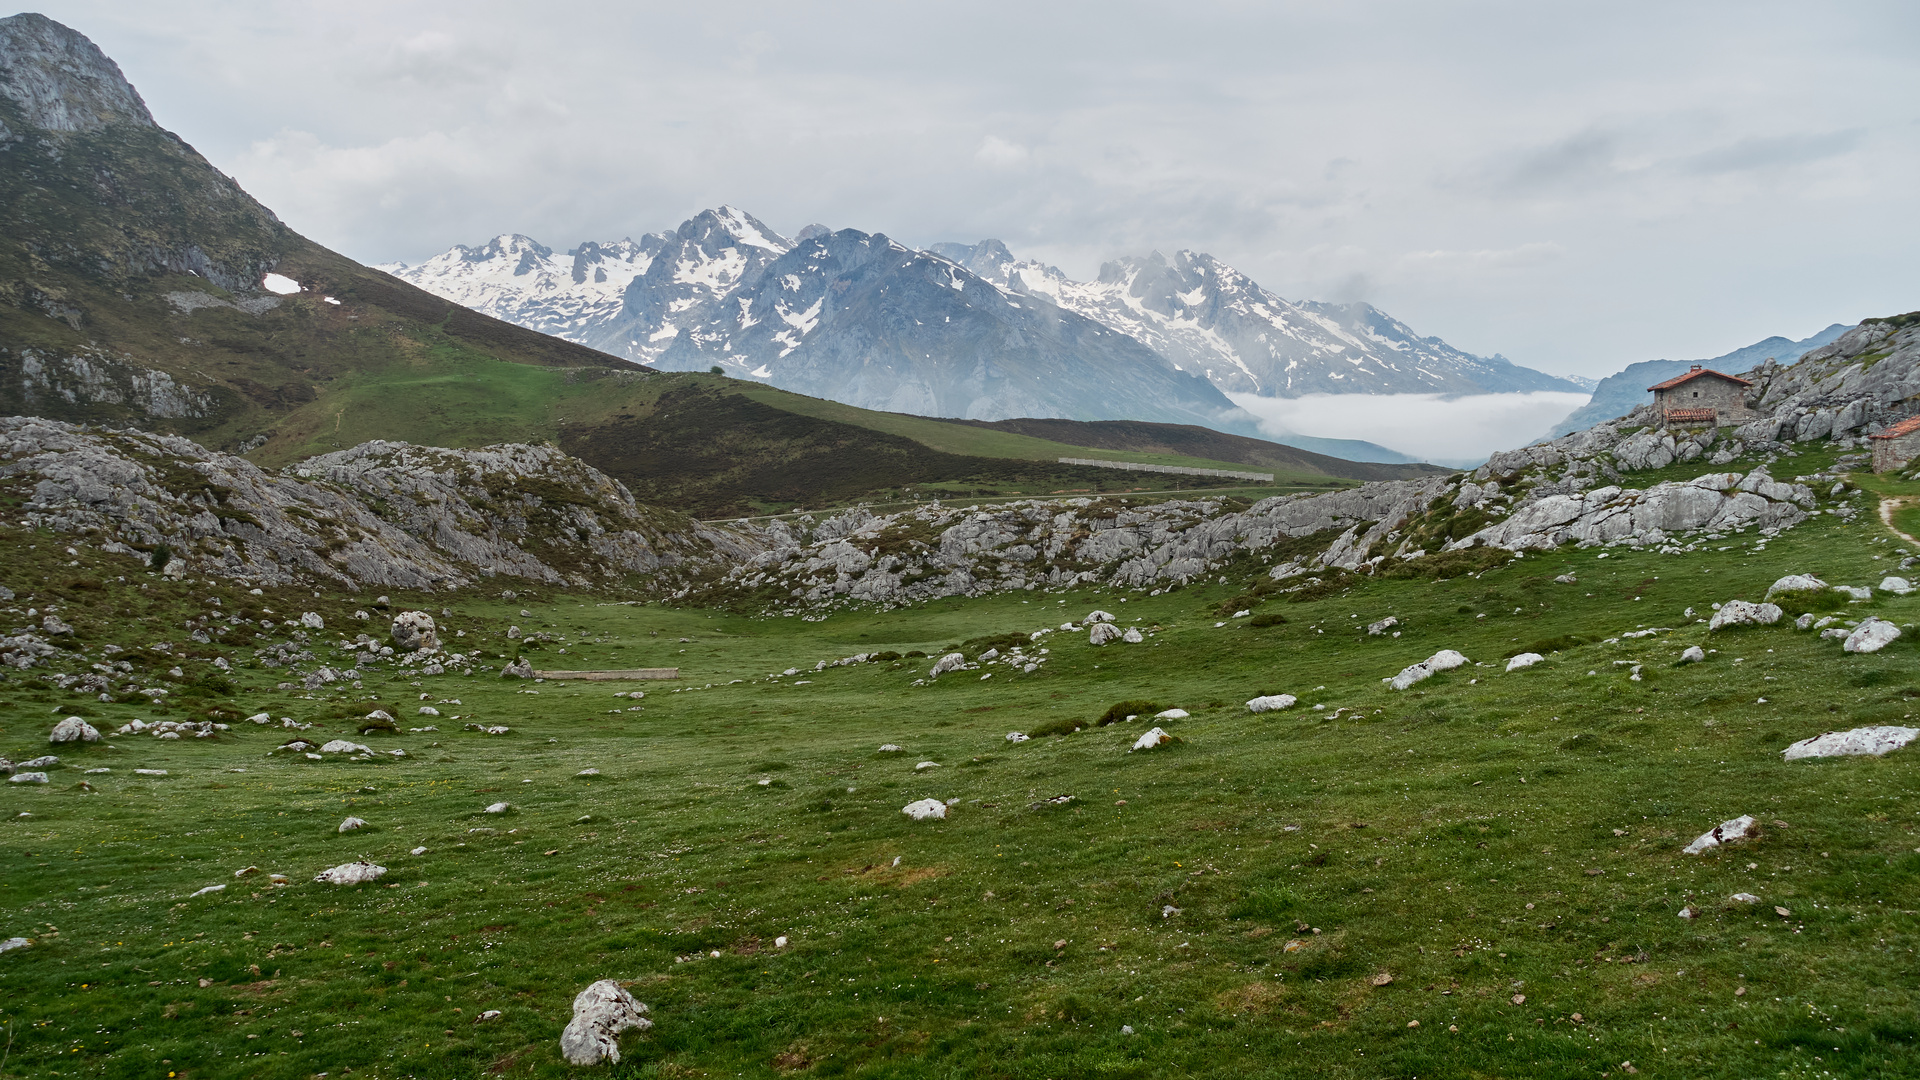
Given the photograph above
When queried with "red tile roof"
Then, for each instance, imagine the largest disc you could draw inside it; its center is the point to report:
(1696, 373)
(1905, 427)
(1689, 416)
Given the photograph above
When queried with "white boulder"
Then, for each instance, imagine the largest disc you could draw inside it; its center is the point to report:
(923, 809)
(1102, 632)
(1726, 832)
(1865, 741)
(1133, 636)
(1444, 660)
(889, 748)
(312, 620)
(1098, 616)
(1796, 583)
(953, 661)
(1742, 613)
(413, 631)
(27, 778)
(1693, 655)
(1172, 714)
(352, 873)
(1268, 703)
(342, 746)
(73, 729)
(600, 1013)
(517, 669)
(352, 823)
(498, 808)
(1154, 737)
(1018, 736)
(13, 943)
(205, 891)
(1871, 636)
(1524, 660)
(1898, 586)
(1381, 627)
(1855, 592)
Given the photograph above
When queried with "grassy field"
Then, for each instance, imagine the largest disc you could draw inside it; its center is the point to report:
(1506, 847)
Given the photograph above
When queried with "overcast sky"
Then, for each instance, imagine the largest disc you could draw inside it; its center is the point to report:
(1574, 185)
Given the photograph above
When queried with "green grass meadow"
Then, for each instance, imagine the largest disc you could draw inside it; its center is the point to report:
(1504, 847)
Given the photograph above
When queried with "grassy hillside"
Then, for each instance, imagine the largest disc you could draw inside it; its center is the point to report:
(1491, 856)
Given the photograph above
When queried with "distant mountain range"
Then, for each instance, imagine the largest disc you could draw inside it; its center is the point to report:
(1620, 393)
(845, 315)
(964, 331)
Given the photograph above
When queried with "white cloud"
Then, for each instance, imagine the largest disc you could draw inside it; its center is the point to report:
(997, 151)
(1447, 431)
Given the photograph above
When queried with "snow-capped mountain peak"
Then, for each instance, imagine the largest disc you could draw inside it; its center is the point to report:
(1206, 316)
(521, 280)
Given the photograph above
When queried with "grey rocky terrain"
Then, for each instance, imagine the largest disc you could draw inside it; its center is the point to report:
(377, 515)
(391, 514)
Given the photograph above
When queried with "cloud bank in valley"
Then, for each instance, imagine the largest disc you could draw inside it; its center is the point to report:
(1446, 431)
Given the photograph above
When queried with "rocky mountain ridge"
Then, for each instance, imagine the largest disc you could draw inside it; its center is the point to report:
(1620, 393)
(377, 515)
(420, 517)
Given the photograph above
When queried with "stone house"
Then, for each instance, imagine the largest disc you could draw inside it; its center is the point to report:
(1702, 397)
(1897, 445)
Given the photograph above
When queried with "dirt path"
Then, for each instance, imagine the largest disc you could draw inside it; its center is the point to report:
(1887, 506)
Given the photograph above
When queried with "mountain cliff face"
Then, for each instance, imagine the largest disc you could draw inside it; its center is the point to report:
(849, 316)
(1205, 316)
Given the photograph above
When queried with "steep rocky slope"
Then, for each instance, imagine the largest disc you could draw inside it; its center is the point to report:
(133, 279)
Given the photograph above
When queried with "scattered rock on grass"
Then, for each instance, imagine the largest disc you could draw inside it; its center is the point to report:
(1102, 632)
(923, 809)
(498, 808)
(208, 889)
(1444, 660)
(1524, 660)
(1694, 655)
(1133, 636)
(1154, 737)
(1740, 828)
(888, 748)
(517, 669)
(926, 765)
(1269, 703)
(352, 873)
(342, 746)
(1171, 714)
(600, 1013)
(1871, 636)
(13, 943)
(1377, 628)
(27, 778)
(351, 824)
(1898, 586)
(73, 729)
(1017, 736)
(1744, 898)
(1742, 613)
(1098, 617)
(1859, 742)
